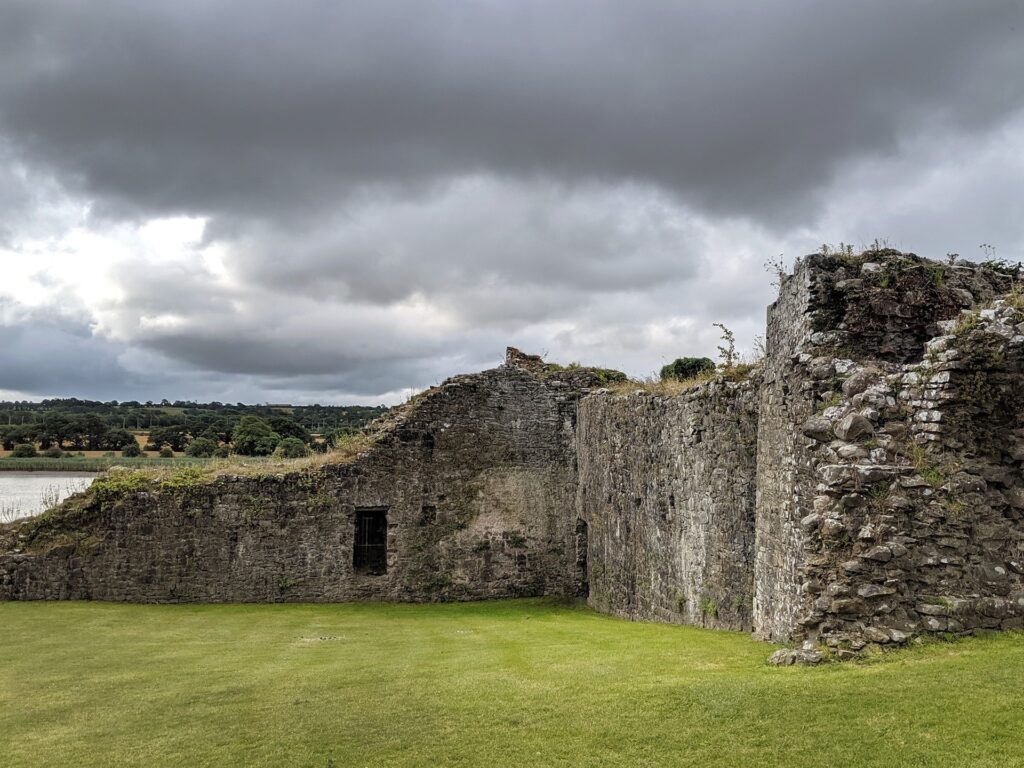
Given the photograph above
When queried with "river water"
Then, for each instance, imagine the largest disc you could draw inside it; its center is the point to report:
(28, 493)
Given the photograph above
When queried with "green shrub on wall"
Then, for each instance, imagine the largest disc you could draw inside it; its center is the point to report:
(687, 368)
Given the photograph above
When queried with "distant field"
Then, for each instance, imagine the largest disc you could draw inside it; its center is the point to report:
(513, 683)
(140, 437)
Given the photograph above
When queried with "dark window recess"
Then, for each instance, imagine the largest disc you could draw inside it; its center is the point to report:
(582, 579)
(428, 514)
(370, 552)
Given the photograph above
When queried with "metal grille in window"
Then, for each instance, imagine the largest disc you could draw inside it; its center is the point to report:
(370, 551)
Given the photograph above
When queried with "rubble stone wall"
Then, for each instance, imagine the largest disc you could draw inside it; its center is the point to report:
(477, 479)
(911, 526)
(666, 487)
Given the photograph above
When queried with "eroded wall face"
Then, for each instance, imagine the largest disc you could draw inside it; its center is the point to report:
(918, 525)
(477, 482)
(909, 520)
(784, 472)
(666, 490)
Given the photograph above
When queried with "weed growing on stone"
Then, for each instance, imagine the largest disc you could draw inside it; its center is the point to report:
(727, 349)
(776, 267)
(841, 250)
(186, 477)
(966, 322)
(665, 387)
(829, 400)
(931, 467)
(708, 608)
(954, 507)
(680, 602)
(878, 494)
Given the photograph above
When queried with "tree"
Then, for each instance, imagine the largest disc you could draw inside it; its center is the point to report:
(24, 451)
(53, 429)
(166, 452)
(291, 448)
(252, 436)
(77, 432)
(687, 368)
(131, 450)
(95, 429)
(727, 350)
(211, 434)
(53, 452)
(115, 439)
(175, 436)
(20, 433)
(286, 427)
(201, 447)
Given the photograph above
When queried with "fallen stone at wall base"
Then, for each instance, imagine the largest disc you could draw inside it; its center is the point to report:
(788, 657)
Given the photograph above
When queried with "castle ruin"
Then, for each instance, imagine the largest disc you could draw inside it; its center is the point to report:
(861, 486)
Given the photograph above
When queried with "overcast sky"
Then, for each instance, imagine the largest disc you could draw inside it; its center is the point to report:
(313, 201)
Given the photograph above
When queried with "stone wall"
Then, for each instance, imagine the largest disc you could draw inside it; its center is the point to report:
(477, 478)
(909, 524)
(784, 474)
(666, 490)
(918, 525)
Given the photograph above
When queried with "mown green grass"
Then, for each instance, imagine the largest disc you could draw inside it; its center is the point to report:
(516, 683)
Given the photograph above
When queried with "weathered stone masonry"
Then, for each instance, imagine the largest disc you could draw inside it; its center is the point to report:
(862, 486)
(912, 522)
(666, 488)
(477, 480)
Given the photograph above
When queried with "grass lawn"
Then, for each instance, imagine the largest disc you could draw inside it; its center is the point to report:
(517, 683)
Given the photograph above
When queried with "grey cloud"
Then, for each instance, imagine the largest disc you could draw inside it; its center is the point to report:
(478, 265)
(940, 195)
(45, 352)
(493, 252)
(399, 189)
(285, 109)
(50, 354)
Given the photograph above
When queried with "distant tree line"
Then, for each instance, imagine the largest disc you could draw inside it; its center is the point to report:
(131, 414)
(205, 429)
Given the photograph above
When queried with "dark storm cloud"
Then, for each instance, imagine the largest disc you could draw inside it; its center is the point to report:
(281, 108)
(392, 191)
(493, 252)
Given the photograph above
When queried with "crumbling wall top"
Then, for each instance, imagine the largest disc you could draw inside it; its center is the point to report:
(515, 358)
(883, 304)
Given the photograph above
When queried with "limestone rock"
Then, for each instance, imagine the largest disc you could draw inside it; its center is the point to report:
(874, 590)
(817, 428)
(787, 657)
(858, 382)
(880, 553)
(876, 635)
(848, 606)
(854, 427)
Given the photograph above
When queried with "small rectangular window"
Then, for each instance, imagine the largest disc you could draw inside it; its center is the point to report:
(370, 551)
